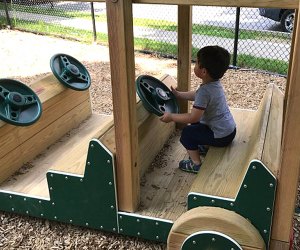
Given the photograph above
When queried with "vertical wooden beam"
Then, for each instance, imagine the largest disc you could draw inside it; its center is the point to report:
(122, 65)
(290, 162)
(184, 51)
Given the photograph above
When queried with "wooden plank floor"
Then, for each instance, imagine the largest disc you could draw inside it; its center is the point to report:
(164, 187)
(66, 155)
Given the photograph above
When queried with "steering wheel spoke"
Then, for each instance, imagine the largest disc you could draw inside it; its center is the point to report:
(65, 76)
(3, 92)
(83, 78)
(147, 87)
(162, 108)
(29, 100)
(64, 60)
(12, 113)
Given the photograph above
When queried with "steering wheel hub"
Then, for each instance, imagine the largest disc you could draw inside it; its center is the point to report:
(73, 70)
(162, 94)
(15, 99)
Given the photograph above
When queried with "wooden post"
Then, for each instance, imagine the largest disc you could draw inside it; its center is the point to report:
(184, 52)
(122, 65)
(289, 171)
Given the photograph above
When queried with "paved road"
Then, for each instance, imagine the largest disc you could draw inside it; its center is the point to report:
(218, 16)
(265, 49)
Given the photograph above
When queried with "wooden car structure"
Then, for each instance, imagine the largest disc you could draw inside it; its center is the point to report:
(86, 169)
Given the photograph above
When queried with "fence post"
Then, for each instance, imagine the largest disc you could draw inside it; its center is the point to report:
(7, 14)
(236, 35)
(94, 22)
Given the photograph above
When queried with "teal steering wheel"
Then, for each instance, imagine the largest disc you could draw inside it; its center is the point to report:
(157, 98)
(70, 72)
(19, 105)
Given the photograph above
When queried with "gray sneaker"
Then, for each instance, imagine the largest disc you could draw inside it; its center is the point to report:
(189, 166)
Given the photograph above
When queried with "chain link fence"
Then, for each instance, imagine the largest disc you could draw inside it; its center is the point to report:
(254, 41)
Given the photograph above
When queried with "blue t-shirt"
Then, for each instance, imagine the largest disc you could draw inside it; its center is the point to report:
(210, 97)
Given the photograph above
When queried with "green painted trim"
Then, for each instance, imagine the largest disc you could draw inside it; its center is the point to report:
(148, 228)
(210, 240)
(88, 200)
(255, 199)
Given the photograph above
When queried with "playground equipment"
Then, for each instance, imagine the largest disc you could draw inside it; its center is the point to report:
(243, 197)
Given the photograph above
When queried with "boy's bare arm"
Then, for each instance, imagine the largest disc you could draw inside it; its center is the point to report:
(192, 117)
(185, 95)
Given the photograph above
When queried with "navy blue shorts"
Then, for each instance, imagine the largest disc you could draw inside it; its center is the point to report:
(200, 134)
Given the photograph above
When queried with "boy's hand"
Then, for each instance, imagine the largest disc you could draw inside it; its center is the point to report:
(167, 117)
(175, 92)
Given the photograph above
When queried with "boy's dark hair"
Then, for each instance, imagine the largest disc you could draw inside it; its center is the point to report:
(215, 60)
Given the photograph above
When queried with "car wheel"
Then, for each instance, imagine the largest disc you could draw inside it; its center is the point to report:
(287, 20)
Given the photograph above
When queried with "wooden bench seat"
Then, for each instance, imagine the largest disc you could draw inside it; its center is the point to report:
(258, 137)
(66, 155)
